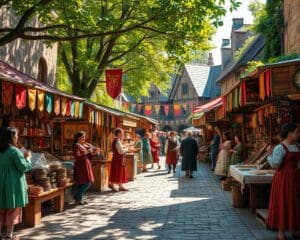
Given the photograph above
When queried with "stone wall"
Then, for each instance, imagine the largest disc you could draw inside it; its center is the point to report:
(25, 55)
(292, 26)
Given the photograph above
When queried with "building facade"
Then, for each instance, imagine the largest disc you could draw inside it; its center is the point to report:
(34, 58)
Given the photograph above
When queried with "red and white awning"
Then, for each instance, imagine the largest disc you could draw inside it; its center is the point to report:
(218, 102)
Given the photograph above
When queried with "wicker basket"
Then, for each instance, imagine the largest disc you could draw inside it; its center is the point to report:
(237, 197)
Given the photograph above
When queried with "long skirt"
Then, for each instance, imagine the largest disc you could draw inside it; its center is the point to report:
(10, 216)
(222, 163)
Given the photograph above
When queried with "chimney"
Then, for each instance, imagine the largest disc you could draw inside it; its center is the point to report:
(226, 53)
(238, 37)
(210, 60)
(237, 23)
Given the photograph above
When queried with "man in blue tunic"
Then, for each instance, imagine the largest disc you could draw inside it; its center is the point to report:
(214, 147)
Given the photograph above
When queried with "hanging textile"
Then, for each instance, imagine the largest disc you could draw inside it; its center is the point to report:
(31, 98)
(113, 82)
(191, 105)
(139, 108)
(41, 100)
(177, 109)
(95, 116)
(133, 107)
(56, 105)
(262, 94)
(63, 106)
(76, 113)
(7, 93)
(233, 99)
(166, 108)
(184, 106)
(20, 96)
(80, 109)
(148, 110)
(244, 93)
(157, 109)
(72, 108)
(68, 107)
(237, 97)
(268, 82)
(49, 102)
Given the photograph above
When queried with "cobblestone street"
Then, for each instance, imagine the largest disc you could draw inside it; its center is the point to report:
(158, 206)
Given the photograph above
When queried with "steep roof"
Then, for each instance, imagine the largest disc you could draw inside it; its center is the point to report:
(249, 54)
(211, 88)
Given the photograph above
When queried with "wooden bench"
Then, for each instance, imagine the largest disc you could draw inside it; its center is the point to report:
(33, 211)
(262, 216)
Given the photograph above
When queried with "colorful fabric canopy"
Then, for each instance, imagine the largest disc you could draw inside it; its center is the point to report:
(49, 102)
(7, 93)
(41, 100)
(20, 96)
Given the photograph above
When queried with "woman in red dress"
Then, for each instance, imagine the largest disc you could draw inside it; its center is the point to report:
(83, 172)
(155, 149)
(171, 149)
(118, 172)
(284, 207)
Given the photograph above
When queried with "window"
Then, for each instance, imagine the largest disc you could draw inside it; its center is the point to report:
(153, 94)
(184, 89)
(42, 70)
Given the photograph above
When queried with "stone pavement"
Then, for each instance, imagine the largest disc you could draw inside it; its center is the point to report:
(158, 206)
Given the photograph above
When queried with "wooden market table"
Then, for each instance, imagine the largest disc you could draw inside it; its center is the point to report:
(33, 211)
(244, 177)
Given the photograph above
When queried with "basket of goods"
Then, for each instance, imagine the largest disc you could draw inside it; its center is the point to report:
(39, 173)
(34, 190)
(29, 178)
(62, 182)
(45, 183)
(54, 167)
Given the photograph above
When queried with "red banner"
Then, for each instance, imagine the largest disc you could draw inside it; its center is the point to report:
(268, 82)
(148, 110)
(7, 93)
(113, 82)
(177, 109)
(166, 108)
(21, 95)
(139, 108)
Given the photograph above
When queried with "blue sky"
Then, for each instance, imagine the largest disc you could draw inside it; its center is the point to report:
(224, 32)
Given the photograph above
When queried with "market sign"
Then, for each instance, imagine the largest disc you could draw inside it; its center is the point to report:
(129, 123)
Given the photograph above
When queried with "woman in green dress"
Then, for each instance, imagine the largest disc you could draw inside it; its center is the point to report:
(237, 151)
(147, 157)
(138, 146)
(13, 165)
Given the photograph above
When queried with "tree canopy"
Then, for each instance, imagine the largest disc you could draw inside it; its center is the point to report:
(145, 38)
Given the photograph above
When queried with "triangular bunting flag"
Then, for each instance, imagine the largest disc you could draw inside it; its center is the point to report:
(166, 108)
(157, 108)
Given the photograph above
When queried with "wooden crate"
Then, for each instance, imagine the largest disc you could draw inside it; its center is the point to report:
(262, 216)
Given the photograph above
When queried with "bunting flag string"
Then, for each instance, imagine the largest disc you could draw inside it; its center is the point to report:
(20, 96)
(41, 100)
(262, 86)
(177, 109)
(49, 102)
(148, 110)
(133, 106)
(63, 106)
(157, 109)
(7, 93)
(191, 105)
(56, 105)
(80, 109)
(166, 108)
(76, 114)
(184, 106)
(139, 108)
(72, 108)
(68, 107)
(31, 98)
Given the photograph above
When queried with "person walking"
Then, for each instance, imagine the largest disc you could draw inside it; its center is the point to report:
(118, 172)
(83, 172)
(171, 148)
(222, 165)
(138, 147)
(284, 205)
(147, 157)
(13, 192)
(189, 151)
(155, 148)
(214, 147)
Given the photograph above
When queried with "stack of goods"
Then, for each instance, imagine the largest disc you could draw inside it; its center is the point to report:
(61, 177)
(52, 176)
(40, 177)
(35, 190)
(29, 178)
